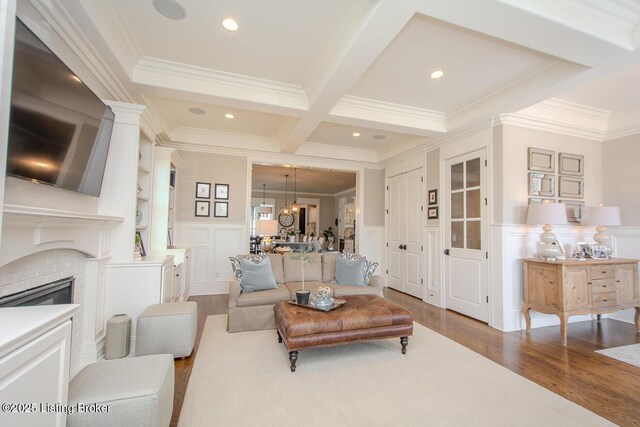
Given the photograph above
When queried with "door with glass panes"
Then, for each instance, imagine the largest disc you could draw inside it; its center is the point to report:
(466, 288)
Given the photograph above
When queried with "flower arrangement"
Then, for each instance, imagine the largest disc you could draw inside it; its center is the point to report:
(293, 232)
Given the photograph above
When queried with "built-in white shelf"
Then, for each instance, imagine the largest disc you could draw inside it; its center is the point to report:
(143, 197)
(143, 168)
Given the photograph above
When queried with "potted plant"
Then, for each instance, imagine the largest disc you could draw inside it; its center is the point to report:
(305, 257)
(291, 234)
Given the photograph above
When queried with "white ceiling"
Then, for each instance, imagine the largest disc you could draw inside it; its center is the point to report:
(301, 76)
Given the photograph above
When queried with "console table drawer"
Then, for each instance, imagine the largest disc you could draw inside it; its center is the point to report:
(603, 272)
(603, 285)
(604, 299)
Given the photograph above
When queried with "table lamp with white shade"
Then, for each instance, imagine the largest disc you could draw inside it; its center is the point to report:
(601, 217)
(547, 214)
(266, 228)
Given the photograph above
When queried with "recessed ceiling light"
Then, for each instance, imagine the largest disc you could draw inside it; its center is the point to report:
(379, 137)
(229, 116)
(437, 74)
(230, 24)
(356, 134)
(170, 9)
(76, 78)
(196, 110)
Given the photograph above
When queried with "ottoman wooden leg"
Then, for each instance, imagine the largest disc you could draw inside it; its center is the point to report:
(293, 357)
(404, 341)
(279, 337)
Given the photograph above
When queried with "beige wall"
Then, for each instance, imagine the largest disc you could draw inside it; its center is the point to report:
(621, 175)
(513, 184)
(211, 168)
(373, 197)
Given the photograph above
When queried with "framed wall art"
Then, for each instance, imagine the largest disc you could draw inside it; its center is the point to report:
(202, 208)
(599, 251)
(542, 184)
(571, 187)
(574, 209)
(432, 197)
(203, 190)
(222, 191)
(570, 164)
(541, 160)
(432, 213)
(221, 209)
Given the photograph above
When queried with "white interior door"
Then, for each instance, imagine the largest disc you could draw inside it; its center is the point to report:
(405, 233)
(466, 236)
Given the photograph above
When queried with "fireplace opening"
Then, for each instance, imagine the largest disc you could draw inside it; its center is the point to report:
(58, 292)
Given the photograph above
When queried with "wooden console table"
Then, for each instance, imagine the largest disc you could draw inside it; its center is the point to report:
(572, 287)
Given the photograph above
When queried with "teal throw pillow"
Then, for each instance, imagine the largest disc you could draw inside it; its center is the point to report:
(350, 271)
(257, 275)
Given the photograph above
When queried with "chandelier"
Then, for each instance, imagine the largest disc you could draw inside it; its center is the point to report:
(286, 210)
(295, 207)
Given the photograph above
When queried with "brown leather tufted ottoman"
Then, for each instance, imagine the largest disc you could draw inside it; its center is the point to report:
(362, 318)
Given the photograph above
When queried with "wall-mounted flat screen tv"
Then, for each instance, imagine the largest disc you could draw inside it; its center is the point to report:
(59, 130)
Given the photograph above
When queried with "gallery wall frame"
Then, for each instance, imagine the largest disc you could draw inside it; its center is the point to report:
(202, 208)
(432, 197)
(542, 184)
(221, 209)
(222, 191)
(574, 209)
(570, 164)
(571, 187)
(432, 213)
(203, 190)
(541, 160)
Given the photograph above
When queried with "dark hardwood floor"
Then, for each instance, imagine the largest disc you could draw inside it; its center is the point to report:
(603, 385)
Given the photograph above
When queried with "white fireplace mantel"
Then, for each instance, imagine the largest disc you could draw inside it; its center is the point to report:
(27, 230)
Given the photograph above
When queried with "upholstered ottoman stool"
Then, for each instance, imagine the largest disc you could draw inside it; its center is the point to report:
(136, 391)
(167, 328)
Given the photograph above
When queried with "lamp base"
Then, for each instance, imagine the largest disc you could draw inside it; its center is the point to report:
(266, 245)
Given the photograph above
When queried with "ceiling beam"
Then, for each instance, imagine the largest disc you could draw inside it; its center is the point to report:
(340, 68)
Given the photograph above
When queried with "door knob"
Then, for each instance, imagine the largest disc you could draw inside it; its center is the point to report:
(404, 247)
(400, 247)
(446, 251)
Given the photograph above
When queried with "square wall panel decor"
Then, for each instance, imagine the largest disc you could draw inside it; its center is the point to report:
(571, 187)
(541, 160)
(542, 184)
(570, 164)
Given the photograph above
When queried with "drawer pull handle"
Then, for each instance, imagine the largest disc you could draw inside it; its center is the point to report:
(604, 272)
(604, 300)
(604, 286)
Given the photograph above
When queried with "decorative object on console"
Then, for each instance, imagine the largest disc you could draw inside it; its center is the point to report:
(266, 228)
(202, 208)
(547, 214)
(599, 251)
(203, 190)
(601, 217)
(222, 191)
(221, 209)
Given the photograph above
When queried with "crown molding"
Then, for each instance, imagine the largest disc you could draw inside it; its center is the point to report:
(314, 149)
(613, 21)
(58, 19)
(203, 137)
(115, 32)
(405, 118)
(300, 194)
(563, 117)
(624, 123)
(190, 78)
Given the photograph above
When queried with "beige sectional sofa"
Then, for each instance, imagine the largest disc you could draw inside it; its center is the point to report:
(254, 310)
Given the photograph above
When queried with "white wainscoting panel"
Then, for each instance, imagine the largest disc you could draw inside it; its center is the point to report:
(211, 246)
(625, 242)
(433, 255)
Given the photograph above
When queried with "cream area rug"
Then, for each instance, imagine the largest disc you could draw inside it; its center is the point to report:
(627, 353)
(243, 379)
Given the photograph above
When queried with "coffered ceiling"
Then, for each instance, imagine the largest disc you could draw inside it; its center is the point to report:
(299, 75)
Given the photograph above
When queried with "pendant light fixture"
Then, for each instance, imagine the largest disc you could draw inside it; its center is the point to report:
(295, 207)
(264, 208)
(285, 210)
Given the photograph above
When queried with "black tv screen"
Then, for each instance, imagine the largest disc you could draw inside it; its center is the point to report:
(59, 130)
